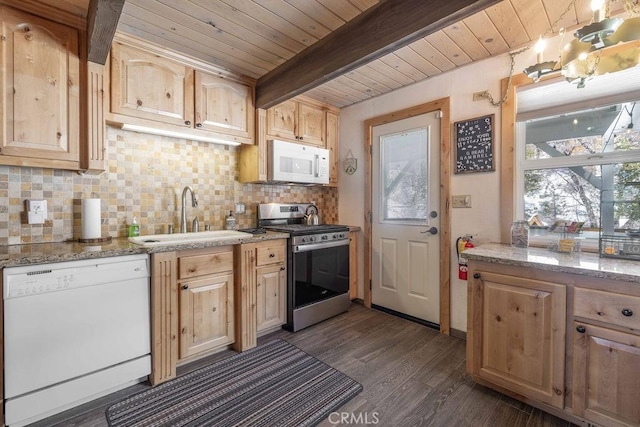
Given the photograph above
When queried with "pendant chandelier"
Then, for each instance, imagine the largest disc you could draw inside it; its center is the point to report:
(605, 45)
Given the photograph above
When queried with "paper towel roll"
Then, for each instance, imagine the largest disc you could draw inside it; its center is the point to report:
(91, 219)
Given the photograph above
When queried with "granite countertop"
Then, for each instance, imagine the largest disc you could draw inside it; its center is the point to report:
(578, 263)
(40, 253)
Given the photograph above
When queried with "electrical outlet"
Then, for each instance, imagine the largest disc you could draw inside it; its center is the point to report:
(240, 208)
(461, 201)
(36, 211)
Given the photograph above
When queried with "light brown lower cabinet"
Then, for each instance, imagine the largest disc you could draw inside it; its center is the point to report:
(271, 296)
(206, 313)
(566, 343)
(192, 306)
(260, 290)
(606, 375)
(353, 265)
(516, 334)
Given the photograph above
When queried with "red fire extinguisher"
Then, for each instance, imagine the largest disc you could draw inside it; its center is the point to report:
(462, 244)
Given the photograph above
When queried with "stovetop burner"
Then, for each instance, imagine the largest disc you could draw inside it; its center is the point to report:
(290, 218)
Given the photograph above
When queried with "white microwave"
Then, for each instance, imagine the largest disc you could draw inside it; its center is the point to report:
(298, 163)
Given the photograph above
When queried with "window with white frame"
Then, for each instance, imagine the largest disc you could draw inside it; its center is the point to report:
(578, 169)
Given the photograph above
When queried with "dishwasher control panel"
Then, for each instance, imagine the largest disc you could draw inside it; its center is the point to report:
(43, 278)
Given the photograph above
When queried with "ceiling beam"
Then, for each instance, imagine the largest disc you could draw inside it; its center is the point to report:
(102, 20)
(378, 31)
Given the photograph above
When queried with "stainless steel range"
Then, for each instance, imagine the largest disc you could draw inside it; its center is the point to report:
(317, 261)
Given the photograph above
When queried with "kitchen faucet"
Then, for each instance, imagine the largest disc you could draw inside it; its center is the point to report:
(194, 203)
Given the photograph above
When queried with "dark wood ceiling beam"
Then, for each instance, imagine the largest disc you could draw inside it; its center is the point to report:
(102, 20)
(381, 29)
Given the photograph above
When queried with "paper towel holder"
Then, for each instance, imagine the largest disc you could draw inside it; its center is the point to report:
(96, 240)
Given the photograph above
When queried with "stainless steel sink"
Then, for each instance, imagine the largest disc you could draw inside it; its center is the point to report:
(152, 240)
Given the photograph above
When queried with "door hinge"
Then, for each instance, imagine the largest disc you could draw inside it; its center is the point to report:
(439, 114)
(370, 284)
(371, 149)
(370, 217)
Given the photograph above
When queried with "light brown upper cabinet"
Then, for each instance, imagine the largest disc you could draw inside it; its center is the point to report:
(40, 92)
(297, 120)
(147, 86)
(332, 146)
(281, 122)
(159, 89)
(224, 105)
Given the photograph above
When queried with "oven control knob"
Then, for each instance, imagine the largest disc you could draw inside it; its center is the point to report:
(325, 237)
(304, 240)
(312, 238)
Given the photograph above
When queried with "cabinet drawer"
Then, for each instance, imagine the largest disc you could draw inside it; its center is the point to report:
(200, 265)
(270, 254)
(617, 309)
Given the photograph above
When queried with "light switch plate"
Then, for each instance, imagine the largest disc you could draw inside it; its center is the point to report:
(461, 201)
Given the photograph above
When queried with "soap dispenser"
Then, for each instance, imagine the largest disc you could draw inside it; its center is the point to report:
(134, 228)
(230, 222)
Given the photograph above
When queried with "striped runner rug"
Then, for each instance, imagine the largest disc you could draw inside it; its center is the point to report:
(276, 384)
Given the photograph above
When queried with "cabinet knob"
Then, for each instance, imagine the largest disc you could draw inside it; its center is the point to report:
(283, 268)
(185, 286)
(627, 312)
(301, 138)
(581, 329)
(187, 122)
(272, 255)
(476, 275)
(198, 125)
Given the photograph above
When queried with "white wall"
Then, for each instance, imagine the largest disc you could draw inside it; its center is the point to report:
(482, 219)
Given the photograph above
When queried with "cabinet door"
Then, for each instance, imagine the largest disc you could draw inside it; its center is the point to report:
(606, 375)
(332, 146)
(147, 86)
(516, 335)
(310, 126)
(39, 88)
(282, 120)
(206, 314)
(224, 106)
(271, 296)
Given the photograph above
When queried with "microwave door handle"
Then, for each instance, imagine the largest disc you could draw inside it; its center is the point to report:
(317, 168)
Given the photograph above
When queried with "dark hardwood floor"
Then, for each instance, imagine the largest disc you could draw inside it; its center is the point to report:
(412, 376)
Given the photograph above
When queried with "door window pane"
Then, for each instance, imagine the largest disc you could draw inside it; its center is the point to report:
(404, 174)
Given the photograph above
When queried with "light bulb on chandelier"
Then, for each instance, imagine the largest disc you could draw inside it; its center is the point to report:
(605, 45)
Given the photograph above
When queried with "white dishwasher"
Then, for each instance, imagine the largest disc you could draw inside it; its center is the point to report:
(73, 331)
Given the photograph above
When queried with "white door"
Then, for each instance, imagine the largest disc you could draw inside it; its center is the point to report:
(405, 221)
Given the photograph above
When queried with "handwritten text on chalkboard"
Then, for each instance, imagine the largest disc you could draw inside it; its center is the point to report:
(474, 145)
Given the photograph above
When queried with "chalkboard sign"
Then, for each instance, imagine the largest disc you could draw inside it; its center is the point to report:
(474, 145)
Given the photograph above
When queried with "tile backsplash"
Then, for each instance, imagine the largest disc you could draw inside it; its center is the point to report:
(144, 178)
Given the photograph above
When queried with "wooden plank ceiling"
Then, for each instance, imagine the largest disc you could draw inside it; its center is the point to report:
(252, 37)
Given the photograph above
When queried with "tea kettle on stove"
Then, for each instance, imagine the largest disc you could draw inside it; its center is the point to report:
(311, 215)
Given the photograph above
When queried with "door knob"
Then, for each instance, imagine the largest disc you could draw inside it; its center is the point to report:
(433, 214)
(432, 230)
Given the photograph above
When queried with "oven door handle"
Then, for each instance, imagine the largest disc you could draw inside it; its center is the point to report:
(323, 245)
